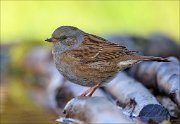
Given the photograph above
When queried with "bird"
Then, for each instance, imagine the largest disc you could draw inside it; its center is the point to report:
(89, 60)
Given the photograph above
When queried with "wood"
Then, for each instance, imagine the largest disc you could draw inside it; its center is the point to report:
(124, 88)
(170, 106)
(135, 98)
(94, 110)
(162, 76)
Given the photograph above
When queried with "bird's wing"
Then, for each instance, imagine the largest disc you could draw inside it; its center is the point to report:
(95, 48)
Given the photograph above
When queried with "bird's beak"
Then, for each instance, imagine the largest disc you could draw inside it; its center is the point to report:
(51, 40)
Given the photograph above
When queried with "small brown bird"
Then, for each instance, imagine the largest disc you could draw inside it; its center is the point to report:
(89, 60)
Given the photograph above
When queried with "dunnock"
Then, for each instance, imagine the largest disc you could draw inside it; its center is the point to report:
(89, 60)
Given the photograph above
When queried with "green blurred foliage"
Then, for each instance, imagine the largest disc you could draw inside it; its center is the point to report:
(22, 20)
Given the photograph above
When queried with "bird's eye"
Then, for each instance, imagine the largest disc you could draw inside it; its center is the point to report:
(63, 37)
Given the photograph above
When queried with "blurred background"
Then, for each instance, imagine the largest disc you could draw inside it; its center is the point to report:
(26, 24)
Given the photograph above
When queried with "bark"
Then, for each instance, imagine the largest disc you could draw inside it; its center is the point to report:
(164, 76)
(170, 106)
(94, 110)
(138, 100)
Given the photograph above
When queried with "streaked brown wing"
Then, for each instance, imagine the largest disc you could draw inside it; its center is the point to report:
(95, 48)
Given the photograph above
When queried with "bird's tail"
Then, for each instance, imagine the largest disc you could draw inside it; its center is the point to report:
(151, 58)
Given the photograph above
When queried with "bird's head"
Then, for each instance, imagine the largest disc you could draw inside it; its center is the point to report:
(66, 37)
(63, 33)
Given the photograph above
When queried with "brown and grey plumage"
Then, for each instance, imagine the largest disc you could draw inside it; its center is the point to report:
(89, 60)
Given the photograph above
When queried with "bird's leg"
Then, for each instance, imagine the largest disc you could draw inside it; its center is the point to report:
(90, 91)
(86, 92)
(93, 89)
